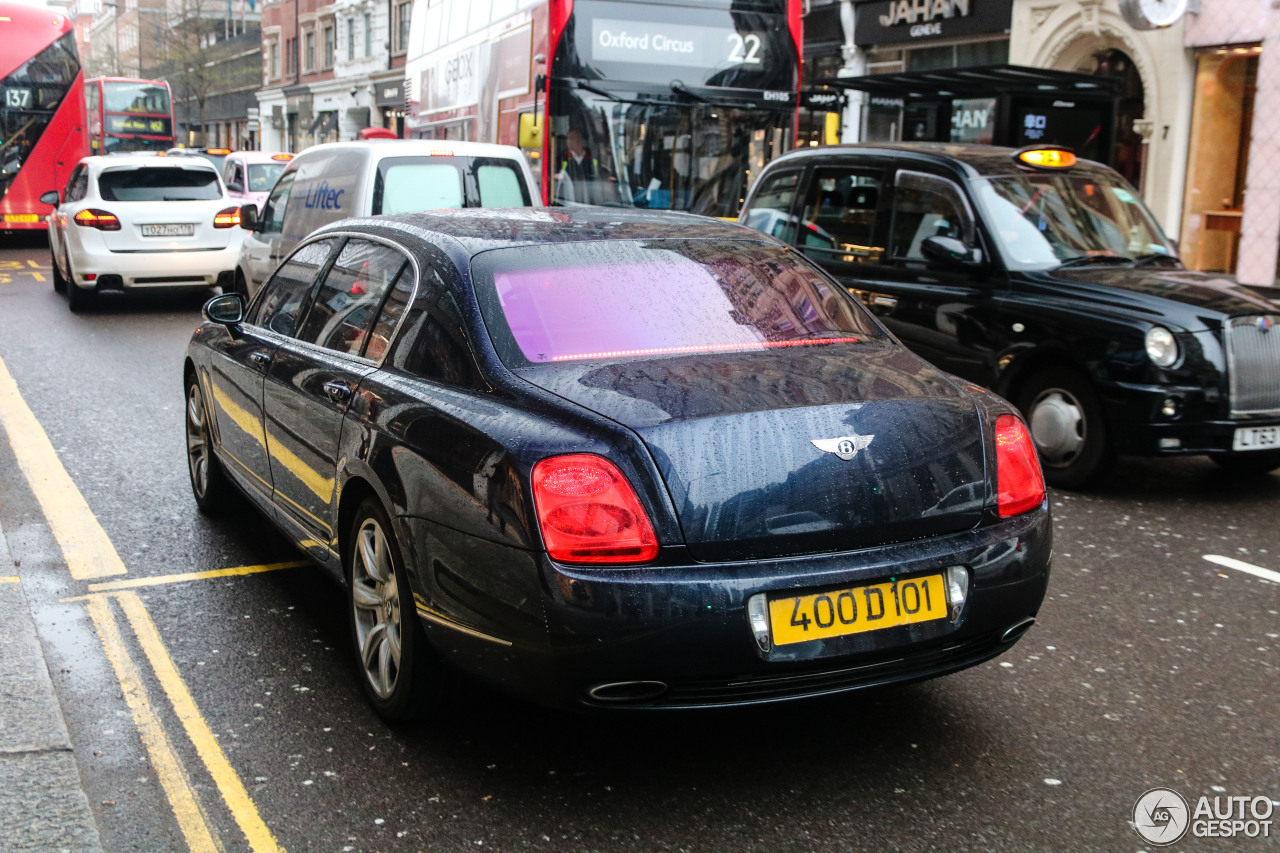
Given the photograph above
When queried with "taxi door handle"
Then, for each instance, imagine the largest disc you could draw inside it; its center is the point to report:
(261, 359)
(337, 391)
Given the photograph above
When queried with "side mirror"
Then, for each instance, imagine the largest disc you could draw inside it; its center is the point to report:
(235, 187)
(51, 198)
(249, 217)
(530, 131)
(227, 309)
(948, 251)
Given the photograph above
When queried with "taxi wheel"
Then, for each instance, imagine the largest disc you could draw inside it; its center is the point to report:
(1068, 427)
(1250, 463)
(242, 287)
(400, 673)
(212, 490)
(59, 283)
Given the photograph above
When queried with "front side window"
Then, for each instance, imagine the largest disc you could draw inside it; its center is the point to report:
(926, 206)
(632, 299)
(159, 184)
(1043, 220)
(273, 211)
(840, 213)
(284, 297)
(350, 299)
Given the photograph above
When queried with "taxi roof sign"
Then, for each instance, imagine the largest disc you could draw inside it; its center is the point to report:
(1046, 158)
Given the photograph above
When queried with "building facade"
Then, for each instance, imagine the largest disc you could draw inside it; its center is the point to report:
(330, 70)
(1231, 207)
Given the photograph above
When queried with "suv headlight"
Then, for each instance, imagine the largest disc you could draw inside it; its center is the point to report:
(1162, 346)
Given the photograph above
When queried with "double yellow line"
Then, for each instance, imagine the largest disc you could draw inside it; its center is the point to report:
(90, 555)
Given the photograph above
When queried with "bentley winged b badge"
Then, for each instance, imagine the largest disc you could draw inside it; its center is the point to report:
(846, 446)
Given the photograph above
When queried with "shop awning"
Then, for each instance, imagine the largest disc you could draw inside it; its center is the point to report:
(979, 82)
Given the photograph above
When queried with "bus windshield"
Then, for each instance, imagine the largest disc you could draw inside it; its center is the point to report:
(32, 94)
(660, 154)
(141, 97)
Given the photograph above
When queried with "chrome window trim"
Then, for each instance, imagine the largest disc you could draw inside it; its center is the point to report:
(395, 333)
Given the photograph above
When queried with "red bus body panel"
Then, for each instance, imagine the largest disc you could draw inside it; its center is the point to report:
(28, 31)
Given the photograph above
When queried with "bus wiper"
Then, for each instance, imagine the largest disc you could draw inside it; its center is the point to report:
(595, 90)
(680, 89)
(1153, 257)
(1086, 260)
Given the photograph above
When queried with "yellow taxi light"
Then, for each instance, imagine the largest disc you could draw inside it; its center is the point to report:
(282, 157)
(1047, 158)
(217, 151)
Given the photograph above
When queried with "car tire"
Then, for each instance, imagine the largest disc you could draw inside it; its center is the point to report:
(401, 674)
(59, 283)
(1252, 463)
(242, 287)
(212, 490)
(80, 299)
(1068, 426)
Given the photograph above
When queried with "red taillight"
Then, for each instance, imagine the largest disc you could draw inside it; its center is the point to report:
(99, 219)
(589, 513)
(1019, 483)
(228, 218)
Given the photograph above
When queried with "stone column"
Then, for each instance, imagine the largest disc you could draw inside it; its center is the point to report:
(855, 65)
(1260, 229)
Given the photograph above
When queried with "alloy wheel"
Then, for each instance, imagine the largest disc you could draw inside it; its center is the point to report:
(198, 452)
(375, 598)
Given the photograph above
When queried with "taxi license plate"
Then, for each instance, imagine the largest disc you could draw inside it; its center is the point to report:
(1256, 438)
(185, 229)
(857, 609)
(25, 218)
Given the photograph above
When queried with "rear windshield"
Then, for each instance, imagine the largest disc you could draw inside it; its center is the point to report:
(159, 184)
(406, 184)
(628, 299)
(262, 176)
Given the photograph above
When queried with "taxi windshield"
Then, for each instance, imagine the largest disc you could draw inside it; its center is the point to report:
(1047, 220)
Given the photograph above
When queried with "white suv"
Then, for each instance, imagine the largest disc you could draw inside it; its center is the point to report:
(137, 221)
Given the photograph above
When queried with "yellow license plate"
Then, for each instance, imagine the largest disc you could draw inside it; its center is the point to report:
(853, 611)
(22, 217)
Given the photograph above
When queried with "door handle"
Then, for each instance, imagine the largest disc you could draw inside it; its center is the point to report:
(262, 359)
(337, 391)
(880, 300)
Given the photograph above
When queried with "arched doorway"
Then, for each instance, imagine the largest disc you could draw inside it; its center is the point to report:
(1127, 150)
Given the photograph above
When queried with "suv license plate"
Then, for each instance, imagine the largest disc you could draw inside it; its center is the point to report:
(858, 609)
(185, 229)
(1256, 438)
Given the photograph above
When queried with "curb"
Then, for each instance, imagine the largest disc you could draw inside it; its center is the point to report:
(42, 802)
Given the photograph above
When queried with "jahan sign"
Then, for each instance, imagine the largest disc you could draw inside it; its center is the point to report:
(888, 21)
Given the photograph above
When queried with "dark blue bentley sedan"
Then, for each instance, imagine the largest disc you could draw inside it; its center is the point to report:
(616, 460)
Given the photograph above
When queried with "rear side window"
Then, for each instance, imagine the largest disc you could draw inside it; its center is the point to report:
(606, 301)
(164, 184)
(280, 306)
(349, 300)
(771, 207)
(840, 213)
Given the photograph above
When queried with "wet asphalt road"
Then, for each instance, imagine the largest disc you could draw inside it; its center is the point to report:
(1150, 666)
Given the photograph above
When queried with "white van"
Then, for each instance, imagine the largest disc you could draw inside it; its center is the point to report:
(342, 179)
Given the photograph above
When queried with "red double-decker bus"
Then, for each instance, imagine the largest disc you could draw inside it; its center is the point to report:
(672, 105)
(128, 114)
(42, 113)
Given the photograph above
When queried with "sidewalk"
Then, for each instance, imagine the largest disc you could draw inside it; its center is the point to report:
(42, 806)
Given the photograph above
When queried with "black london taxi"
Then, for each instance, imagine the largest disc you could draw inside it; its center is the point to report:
(1045, 278)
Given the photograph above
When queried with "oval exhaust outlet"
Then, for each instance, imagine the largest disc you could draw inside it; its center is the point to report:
(622, 692)
(1017, 630)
